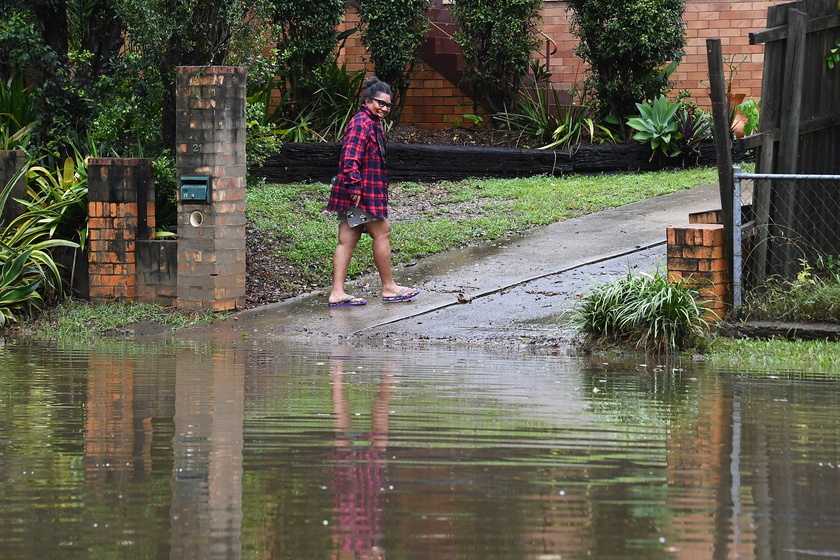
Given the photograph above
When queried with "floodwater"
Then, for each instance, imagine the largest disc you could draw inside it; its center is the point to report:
(188, 451)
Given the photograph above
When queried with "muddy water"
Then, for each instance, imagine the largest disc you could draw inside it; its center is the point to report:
(272, 452)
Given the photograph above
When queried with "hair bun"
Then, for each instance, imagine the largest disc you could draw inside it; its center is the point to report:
(371, 81)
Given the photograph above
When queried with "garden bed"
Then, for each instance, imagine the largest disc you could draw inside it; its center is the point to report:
(318, 162)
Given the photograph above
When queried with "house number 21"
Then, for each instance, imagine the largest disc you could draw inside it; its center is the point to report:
(196, 148)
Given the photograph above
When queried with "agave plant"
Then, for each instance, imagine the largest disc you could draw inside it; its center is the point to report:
(657, 125)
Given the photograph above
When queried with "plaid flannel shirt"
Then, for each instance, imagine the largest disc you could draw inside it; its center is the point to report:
(362, 168)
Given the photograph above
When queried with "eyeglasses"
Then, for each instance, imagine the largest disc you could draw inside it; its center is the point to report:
(383, 104)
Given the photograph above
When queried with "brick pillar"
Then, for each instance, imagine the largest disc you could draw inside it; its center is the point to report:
(210, 142)
(696, 256)
(11, 161)
(115, 223)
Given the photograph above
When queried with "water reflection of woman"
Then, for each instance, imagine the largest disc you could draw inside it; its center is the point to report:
(359, 472)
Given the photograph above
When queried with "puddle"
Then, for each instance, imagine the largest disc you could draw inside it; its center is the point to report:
(269, 451)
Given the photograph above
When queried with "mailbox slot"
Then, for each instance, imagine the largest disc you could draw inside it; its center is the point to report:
(195, 190)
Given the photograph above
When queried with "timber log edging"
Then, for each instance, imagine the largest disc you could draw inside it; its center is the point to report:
(300, 162)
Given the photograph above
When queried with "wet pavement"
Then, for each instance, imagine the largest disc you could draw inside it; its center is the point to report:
(512, 291)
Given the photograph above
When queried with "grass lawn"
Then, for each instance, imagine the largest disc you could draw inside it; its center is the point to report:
(430, 218)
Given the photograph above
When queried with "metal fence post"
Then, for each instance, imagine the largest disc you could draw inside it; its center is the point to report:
(736, 238)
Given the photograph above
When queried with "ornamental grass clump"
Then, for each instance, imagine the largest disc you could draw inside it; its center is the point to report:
(646, 310)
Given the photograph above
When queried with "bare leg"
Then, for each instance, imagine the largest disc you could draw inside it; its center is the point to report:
(347, 239)
(380, 231)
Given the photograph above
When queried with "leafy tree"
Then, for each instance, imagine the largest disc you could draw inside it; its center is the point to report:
(306, 40)
(627, 44)
(393, 32)
(168, 34)
(35, 43)
(497, 38)
(112, 62)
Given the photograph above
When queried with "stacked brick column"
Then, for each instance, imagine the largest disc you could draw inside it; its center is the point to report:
(210, 142)
(115, 224)
(696, 256)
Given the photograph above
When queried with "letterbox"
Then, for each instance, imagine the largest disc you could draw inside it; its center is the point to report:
(195, 190)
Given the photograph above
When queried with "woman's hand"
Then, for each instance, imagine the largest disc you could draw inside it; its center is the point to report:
(355, 198)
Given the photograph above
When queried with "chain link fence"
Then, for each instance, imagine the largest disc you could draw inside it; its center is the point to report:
(785, 221)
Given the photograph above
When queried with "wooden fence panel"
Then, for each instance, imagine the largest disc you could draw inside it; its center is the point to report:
(800, 119)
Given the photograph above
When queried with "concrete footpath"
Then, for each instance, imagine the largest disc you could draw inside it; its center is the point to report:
(513, 291)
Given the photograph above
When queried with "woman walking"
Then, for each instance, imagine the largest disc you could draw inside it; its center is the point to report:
(360, 197)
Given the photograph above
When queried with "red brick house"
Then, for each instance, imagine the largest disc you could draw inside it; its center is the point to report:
(434, 94)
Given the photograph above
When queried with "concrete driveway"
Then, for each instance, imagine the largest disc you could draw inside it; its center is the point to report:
(513, 291)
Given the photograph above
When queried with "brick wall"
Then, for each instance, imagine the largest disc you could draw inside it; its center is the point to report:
(732, 22)
(432, 98)
(696, 256)
(433, 102)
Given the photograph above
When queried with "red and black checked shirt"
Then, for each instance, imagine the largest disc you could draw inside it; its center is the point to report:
(362, 167)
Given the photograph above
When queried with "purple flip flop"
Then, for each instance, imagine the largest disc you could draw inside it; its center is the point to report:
(404, 295)
(349, 300)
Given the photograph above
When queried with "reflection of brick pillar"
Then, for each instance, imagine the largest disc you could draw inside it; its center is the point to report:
(207, 469)
(11, 161)
(109, 419)
(116, 222)
(696, 256)
(210, 142)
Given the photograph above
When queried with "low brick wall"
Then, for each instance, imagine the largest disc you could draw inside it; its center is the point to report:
(696, 256)
(157, 271)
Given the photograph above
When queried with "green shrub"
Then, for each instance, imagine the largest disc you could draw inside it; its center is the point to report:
(814, 295)
(18, 119)
(16, 105)
(832, 57)
(647, 311)
(627, 45)
(335, 101)
(128, 118)
(58, 196)
(497, 38)
(25, 52)
(261, 140)
(542, 118)
(28, 273)
(307, 38)
(337, 98)
(751, 110)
